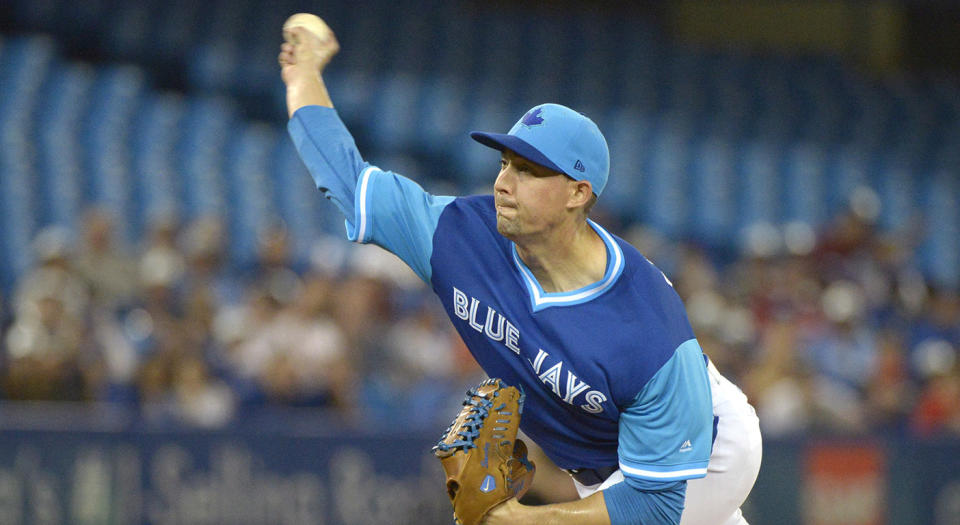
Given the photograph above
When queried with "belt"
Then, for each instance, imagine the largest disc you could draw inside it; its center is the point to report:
(592, 476)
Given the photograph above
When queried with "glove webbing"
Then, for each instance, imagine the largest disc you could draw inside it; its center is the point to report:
(470, 429)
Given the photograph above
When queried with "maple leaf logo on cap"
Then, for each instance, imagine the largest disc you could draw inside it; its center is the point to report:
(533, 118)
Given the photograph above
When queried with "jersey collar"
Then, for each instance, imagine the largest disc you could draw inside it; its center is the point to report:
(540, 299)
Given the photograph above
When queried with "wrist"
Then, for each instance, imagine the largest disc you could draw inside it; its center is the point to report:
(523, 514)
(306, 92)
(302, 77)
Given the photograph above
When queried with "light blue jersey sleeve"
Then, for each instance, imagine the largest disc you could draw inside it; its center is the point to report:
(666, 434)
(329, 152)
(380, 207)
(394, 212)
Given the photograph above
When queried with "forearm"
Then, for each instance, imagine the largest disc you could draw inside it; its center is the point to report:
(307, 90)
(588, 511)
(303, 57)
(620, 504)
(329, 153)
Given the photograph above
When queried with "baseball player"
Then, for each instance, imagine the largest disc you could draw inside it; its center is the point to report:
(618, 391)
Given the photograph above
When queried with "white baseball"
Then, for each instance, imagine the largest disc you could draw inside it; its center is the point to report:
(310, 22)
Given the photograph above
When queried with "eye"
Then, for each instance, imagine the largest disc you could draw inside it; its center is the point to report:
(503, 164)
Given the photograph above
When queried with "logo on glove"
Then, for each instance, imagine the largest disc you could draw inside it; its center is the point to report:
(489, 484)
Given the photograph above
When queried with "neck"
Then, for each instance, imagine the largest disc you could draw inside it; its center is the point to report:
(566, 259)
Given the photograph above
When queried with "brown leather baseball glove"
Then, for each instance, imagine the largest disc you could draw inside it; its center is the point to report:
(485, 462)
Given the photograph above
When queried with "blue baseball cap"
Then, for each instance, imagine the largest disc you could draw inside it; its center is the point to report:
(558, 138)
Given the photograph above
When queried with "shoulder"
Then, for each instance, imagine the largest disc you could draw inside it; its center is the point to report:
(655, 296)
(469, 215)
(642, 272)
(647, 318)
(468, 224)
(475, 205)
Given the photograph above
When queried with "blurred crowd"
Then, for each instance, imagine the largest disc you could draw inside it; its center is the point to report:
(826, 331)
(174, 331)
(834, 331)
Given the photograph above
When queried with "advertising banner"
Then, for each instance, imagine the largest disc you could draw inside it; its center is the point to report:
(283, 474)
(844, 484)
(191, 478)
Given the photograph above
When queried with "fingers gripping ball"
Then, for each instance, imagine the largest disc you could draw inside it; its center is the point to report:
(310, 44)
(484, 461)
(308, 21)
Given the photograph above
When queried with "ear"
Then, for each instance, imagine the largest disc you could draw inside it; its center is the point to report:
(581, 192)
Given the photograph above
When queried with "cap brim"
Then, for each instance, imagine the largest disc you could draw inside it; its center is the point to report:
(502, 141)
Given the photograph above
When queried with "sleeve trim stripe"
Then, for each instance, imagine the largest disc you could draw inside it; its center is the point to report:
(364, 179)
(668, 475)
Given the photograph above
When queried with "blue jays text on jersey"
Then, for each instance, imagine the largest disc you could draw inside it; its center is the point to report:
(498, 328)
(612, 372)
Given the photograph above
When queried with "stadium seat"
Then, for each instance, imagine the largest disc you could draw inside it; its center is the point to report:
(59, 151)
(703, 142)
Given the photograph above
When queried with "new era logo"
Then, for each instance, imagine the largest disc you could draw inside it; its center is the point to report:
(579, 166)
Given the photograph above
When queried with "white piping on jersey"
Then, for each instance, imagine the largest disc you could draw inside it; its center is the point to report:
(364, 178)
(543, 299)
(663, 475)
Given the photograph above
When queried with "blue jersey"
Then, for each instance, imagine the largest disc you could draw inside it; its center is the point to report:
(612, 372)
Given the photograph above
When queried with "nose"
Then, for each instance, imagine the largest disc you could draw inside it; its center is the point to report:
(504, 184)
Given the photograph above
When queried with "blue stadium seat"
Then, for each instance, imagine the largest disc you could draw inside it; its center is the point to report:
(251, 206)
(759, 183)
(940, 250)
(154, 144)
(713, 190)
(117, 92)
(207, 127)
(803, 191)
(442, 111)
(629, 138)
(703, 142)
(25, 62)
(395, 113)
(847, 169)
(665, 197)
(18, 220)
(898, 192)
(60, 159)
(24, 66)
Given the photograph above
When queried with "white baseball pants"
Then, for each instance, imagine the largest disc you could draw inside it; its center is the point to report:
(734, 461)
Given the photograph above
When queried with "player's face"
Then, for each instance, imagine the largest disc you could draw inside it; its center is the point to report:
(530, 198)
